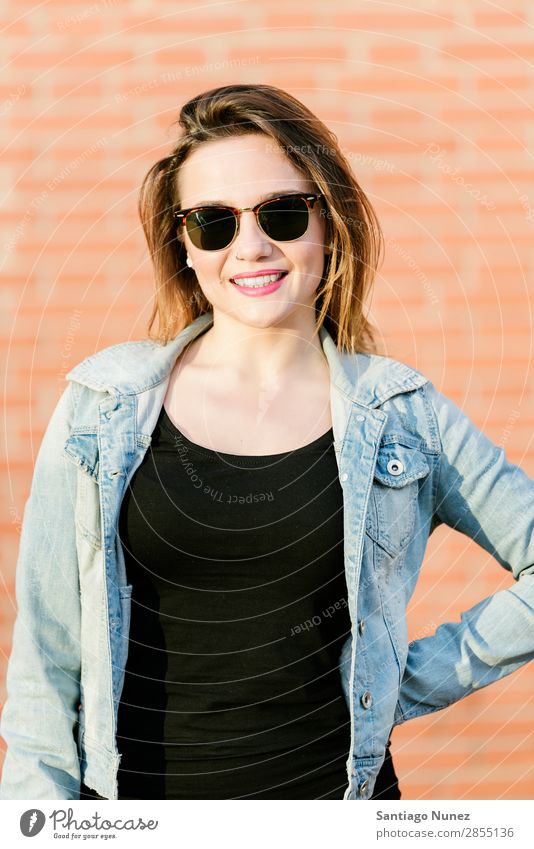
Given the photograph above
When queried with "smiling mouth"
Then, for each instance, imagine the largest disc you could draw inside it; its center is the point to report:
(258, 281)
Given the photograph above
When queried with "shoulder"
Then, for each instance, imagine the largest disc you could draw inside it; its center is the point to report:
(125, 368)
(404, 393)
(378, 378)
(129, 368)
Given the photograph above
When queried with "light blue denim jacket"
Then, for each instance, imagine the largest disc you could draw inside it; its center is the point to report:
(408, 459)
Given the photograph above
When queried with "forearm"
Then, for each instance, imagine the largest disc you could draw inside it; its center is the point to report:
(492, 640)
(39, 720)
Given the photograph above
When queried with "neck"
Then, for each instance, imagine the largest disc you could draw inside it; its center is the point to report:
(255, 355)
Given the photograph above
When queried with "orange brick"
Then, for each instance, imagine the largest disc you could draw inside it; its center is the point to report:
(90, 88)
(300, 83)
(502, 18)
(387, 53)
(180, 57)
(85, 22)
(18, 26)
(67, 121)
(377, 81)
(385, 118)
(388, 21)
(286, 18)
(86, 59)
(490, 50)
(503, 82)
(182, 24)
(505, 114)
(326, 51)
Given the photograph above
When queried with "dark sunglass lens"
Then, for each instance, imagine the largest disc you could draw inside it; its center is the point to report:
(284, 219)
(211, 229)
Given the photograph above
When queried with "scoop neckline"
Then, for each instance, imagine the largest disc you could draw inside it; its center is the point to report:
(169, 425)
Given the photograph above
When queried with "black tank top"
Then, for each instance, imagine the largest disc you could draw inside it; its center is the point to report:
(239, 611)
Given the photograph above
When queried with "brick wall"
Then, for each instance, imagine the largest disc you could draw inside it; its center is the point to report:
(432, 107)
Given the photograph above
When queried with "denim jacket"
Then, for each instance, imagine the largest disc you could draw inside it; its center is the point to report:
(408, 458)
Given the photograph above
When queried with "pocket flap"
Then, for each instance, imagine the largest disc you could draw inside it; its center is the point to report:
(82, 449)
(397, 464)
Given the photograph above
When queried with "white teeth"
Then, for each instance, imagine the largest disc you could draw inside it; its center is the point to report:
(259, 281)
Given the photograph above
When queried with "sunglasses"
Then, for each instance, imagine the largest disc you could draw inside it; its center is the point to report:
(213, 228)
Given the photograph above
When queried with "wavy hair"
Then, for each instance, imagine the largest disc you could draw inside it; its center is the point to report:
(351, 223)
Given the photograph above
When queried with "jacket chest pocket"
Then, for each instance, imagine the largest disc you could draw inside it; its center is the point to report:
(394, 493)
(81, 448)
(88, 509)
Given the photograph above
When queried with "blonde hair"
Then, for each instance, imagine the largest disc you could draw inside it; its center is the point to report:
(351, 223)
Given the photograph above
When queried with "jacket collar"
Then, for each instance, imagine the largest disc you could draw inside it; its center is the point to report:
(130, 368)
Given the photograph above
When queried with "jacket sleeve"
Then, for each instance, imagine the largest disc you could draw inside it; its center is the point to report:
(483, 495)
(40, 716)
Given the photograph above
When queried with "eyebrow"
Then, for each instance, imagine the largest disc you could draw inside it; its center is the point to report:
(276, 194)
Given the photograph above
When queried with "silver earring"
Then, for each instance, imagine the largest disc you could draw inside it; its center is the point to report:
(190, 264)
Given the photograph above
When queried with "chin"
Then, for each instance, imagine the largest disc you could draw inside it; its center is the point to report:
(261, 315)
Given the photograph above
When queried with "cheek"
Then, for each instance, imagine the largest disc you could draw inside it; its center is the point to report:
(316, 244)
(208, 270)
(313, 259)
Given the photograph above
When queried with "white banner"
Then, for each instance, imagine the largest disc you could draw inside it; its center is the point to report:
(257, 824)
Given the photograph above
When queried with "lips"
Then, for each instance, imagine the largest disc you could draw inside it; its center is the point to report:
(250, 279)
(264, 285)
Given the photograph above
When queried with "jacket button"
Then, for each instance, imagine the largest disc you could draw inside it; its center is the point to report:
(395, 467)
(343, 477)
(360, 418)
(110, 412)
(364, 786)
(361, 626)
(366, 699)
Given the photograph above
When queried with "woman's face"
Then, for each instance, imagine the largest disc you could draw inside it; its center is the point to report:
(240, 172)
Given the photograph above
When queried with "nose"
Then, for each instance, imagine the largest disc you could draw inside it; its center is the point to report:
(251, 242)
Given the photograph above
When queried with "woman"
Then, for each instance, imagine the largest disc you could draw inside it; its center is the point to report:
(227, 520)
